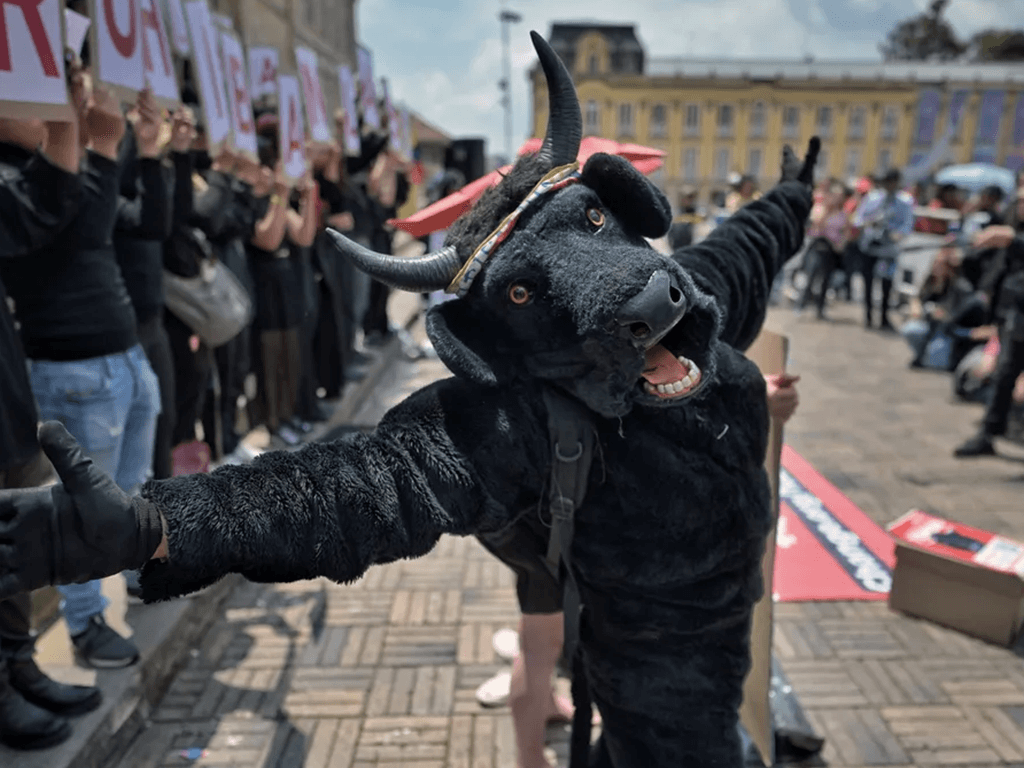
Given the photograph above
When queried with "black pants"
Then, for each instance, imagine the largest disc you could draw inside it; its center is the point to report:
(1009, 366)
(233, 361)
(821, 263)
(376, 319)
(191, 379)
(868, 272)
(157, 346)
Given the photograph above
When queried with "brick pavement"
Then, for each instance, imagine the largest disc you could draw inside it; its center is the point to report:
(382, 672)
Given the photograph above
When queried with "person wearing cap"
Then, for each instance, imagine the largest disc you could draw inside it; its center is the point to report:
(884, 217)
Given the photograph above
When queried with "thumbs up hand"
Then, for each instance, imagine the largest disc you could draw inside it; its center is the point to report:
(82, 529)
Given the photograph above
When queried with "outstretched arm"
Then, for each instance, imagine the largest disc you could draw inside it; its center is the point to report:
(737, 263)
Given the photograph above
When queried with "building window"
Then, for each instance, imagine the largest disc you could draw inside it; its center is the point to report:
(890, 123)
(884, 160)
(725, 120)
(722, 163)
(625, 119)
(692, 119)
(852, 166)
(592, 120)
(659, 120)
(757, 120)
(594, 65)
(858, 121)
(790, 122)
(754, 163)
(690, 164)
(823, 122)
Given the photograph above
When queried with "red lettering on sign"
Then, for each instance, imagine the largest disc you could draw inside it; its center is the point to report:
(241, 96)
(125, 44)
(314, 96)
(295, 139)
(36, 30)
(212, 75)
(269, 72)
(150, 20)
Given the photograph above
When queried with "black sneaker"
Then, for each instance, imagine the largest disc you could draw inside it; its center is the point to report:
(100, 647)
(60, 698)
(23, 725)
(979, 445)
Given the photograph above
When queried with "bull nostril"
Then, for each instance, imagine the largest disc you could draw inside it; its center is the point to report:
(675, 294)
(640, 330)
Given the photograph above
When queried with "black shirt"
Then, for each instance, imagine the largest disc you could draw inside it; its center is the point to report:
(70, 297)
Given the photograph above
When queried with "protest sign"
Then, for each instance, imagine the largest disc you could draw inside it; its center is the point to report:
(350, 117)
(313, 95)
(32, 78)
(394, 124)
(156, 56)
(262, 72)
(116, 45)
(179, 29)
(243, 124)
(406, 129)
(291, 128)
(367, 90)
(76, 27)
(222, 22)
(209, 74)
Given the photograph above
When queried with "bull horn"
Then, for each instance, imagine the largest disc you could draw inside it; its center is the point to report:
(565, 123)
(421, 274)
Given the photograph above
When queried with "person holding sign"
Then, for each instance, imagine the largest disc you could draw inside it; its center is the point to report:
(88, 369)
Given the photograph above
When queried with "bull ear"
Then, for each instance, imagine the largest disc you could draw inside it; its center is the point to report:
(459, 341)
(634, 200)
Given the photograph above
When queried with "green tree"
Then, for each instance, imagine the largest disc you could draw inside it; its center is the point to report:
(925, 37)
(997, 45)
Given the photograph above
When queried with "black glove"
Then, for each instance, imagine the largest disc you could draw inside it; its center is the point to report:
(85, 529)
(793, 169)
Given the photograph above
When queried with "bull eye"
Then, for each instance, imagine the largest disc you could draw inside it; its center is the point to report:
(519, 294)
(596, 217)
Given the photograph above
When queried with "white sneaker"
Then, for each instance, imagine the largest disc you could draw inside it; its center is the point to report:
(495, 692)
(505, 643)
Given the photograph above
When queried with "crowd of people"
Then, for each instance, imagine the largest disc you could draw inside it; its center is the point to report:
(103, 219)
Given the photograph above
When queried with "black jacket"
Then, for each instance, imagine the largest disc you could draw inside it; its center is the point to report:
(667, 546)
(37, 200)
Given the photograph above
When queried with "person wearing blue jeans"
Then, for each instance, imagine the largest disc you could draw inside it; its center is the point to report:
(78, 331)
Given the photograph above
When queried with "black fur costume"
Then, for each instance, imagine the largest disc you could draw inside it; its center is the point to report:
(668, 546)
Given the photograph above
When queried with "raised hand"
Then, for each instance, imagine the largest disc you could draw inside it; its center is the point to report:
(147, 124)
(183, 130)
(104, 121)
(793, 169)
(85, 528)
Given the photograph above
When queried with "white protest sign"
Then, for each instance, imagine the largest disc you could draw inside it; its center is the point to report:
(313, 95)
(117, 45)
(367, 91)
(76, 27)
(243, 124)
(350, 117)
(222, 22)
(291, 128)
(262, 72)
(32, 80)
(156, 55)
(179, 29)
(209, 74)
(394, 128)
(406, 128)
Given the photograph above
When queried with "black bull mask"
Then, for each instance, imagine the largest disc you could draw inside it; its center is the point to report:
(556, 280)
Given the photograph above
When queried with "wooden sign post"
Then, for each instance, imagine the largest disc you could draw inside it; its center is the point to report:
(117, 46)
(243, 124)
(292, 132)
(313, 95)
(156, 56)
(209, 74)
(32, 78)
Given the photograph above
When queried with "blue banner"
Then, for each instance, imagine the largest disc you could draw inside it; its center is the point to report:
(1018, 122)
(928, 106)
(989, 116)
(957, 102)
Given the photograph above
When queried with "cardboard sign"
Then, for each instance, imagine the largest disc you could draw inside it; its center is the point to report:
(262, 72)
(117, 45)
(243, 124)
(768, 352)
(76, 27)
(156, 56)
(209, 74)
(32, 79)
(292, 132)
(350, 116)
(179, 29)
(313, 95)
(367, 90)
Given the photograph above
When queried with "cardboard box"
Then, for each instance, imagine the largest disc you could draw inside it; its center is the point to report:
(958, 576)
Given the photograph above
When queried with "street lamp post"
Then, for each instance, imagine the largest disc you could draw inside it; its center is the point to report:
(507, 18)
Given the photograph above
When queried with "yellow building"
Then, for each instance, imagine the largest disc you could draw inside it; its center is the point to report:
(716, 118)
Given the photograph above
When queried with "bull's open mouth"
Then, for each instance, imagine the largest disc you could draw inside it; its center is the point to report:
(672, 368)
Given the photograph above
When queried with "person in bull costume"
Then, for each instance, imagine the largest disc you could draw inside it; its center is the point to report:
(570, 335)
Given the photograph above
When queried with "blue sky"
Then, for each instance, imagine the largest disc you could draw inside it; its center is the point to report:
(445, 61)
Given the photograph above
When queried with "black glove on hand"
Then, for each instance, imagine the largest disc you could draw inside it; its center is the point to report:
(85, 529)
(793, 169)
